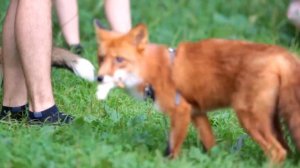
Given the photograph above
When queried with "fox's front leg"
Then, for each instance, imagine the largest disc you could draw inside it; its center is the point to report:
(180, 119)
(204, 129)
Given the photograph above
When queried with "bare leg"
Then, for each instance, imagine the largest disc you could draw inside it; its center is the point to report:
(15, 92)
(67, 11)
(34, 42)
(293, 13)
(118, 15)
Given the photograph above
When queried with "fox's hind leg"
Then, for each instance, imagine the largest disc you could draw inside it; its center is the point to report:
(255, 104)
(204, 129)
(261, 130)
(278, 131)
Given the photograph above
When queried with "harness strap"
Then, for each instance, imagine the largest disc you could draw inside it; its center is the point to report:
(177, 98)
(149, 92)
(172, 54)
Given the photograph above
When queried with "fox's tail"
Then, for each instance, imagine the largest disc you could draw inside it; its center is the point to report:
(80, 66)
(66, 59)
(289, 99)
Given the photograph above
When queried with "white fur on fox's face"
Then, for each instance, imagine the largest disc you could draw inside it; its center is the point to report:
(103, 90)
(104, 87)
(107, 79)
(129, 79)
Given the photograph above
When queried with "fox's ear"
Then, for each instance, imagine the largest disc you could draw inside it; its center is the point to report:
(102, 33)
(139, 36)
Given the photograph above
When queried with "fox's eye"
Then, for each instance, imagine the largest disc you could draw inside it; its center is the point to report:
(119, 59)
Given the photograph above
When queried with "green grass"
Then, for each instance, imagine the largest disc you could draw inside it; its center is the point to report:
(122, 132)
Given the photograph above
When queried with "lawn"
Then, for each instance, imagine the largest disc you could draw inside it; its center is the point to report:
(124, 133)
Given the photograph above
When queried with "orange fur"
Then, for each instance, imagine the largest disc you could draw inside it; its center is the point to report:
(261, 82)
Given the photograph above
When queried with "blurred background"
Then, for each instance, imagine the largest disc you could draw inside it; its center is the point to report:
(121, 132)
(171, 21)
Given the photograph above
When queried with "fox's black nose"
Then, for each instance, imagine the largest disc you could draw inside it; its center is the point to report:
(100, 78)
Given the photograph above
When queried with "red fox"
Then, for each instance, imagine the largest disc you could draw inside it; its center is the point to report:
(260, 82)
(65, 59)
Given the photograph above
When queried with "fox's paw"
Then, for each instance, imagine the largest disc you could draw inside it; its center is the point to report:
(84, 69)
(169, 152)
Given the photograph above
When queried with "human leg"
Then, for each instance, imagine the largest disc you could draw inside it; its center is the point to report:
(293, 13)
(34, 43)
(67, 12)
(14, 88)
(118, 14)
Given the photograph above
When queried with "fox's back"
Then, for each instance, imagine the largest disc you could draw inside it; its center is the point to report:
(210, 71)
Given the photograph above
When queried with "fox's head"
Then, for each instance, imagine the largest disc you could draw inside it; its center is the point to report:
(119, 56)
